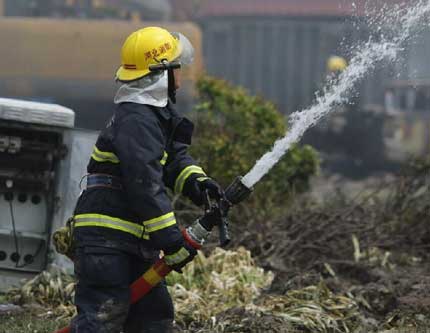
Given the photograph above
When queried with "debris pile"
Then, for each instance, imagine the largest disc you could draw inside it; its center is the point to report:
(373, 248)
(213, 284)
(54, 290)
(311, 309)
(391, 216)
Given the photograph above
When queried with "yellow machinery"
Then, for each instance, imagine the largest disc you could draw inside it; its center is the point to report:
(365, 139)
(407, 122)
(73, 62)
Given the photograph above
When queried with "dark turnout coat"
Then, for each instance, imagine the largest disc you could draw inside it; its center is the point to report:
(145, 147)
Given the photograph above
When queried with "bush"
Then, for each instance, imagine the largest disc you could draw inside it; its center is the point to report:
(233, 130)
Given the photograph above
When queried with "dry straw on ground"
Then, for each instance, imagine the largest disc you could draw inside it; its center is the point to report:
(210, 285)
(53, 289)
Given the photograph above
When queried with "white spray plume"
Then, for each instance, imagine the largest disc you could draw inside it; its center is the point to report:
(401, 23)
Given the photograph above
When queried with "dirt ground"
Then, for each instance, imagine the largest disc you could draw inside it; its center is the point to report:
(371, 245)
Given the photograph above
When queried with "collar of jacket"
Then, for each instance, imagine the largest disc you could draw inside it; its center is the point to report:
(182, 127)
(167, 112)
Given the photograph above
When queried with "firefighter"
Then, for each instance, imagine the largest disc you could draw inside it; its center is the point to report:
(124, 216)
(336, 65)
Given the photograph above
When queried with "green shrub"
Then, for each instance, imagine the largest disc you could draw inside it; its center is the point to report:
(233, 130)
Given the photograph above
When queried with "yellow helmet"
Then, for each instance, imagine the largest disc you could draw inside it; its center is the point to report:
(150, 46)
(336, 64)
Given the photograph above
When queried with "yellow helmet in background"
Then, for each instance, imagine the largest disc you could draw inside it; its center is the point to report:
(150, 46)
(336, 64)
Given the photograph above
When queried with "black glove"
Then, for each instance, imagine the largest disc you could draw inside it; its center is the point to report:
(196, 186)
(178, 259)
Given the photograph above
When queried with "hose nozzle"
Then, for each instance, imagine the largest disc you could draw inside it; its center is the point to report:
(237, 191)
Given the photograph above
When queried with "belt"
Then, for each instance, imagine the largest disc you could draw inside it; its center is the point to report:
(103, 180)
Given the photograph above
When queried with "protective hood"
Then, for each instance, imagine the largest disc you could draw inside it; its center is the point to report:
(150, 90)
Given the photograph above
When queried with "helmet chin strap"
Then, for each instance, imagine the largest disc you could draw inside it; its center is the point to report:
(171, 89)
(165, 65)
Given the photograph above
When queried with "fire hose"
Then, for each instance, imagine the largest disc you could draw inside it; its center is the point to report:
(234, 194)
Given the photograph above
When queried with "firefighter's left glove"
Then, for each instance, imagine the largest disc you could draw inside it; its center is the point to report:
(196, 187)
(179, 259)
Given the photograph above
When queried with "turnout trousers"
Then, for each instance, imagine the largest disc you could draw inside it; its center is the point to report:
(102, 295)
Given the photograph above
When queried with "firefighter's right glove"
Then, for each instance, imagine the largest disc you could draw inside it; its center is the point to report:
(179, 259)
(196, 186)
